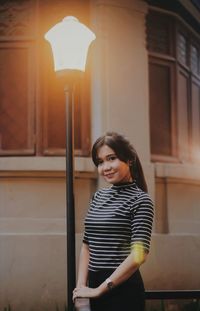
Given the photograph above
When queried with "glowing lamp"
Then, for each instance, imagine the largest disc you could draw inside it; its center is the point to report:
(70, 41)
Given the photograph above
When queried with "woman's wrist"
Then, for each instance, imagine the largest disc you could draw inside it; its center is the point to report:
(109, 284)
(106, 286)
(79, 284)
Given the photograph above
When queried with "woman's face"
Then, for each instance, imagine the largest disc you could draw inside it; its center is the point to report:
(112, 169)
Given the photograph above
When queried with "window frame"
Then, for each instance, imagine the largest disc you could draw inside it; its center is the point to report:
(31, 148)
(168, 62)
(178, 26)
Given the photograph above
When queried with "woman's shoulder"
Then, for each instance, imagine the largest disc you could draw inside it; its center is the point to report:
(142, 197)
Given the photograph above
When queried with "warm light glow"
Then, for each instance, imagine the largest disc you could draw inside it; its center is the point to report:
(70, 41)
(139, 252)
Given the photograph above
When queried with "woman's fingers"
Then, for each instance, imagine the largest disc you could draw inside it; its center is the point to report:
(84, 292)
(79, 292)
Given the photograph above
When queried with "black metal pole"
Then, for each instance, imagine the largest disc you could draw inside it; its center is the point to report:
(70, 213)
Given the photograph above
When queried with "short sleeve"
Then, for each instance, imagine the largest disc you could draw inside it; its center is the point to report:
(142, 215)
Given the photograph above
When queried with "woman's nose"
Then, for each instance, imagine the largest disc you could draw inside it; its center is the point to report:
(106, 166)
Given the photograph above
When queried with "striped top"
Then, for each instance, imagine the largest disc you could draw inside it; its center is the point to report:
(119, 218)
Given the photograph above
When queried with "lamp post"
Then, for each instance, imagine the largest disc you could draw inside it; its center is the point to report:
(70, 41)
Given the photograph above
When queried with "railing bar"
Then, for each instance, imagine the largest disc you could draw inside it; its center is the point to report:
(173, 294)
(82, 304)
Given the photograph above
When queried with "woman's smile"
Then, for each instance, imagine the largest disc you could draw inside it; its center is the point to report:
(109, 175)
(111, 167)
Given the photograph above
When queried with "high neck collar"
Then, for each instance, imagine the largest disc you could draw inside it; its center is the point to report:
(124, 185)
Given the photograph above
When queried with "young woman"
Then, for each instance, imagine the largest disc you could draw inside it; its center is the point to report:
(118, 230)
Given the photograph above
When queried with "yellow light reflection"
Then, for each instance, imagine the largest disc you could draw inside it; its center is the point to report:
(139, 252)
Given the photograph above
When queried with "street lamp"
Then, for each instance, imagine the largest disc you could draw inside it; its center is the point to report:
(70, 41)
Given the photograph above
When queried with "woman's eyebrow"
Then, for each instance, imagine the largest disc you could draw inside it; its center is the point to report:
(107, 156)
(111, 154)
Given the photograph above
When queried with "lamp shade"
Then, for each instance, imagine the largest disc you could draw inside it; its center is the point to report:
(70, 41)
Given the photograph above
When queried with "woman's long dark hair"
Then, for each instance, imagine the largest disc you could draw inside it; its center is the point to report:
(125, 152)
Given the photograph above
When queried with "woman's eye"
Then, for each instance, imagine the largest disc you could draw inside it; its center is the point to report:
(112, 158)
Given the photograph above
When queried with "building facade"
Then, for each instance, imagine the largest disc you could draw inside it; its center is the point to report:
(142, 80)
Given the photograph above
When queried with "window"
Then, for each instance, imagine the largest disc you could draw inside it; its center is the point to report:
(174, 89)
(32, 99)
(17, 79)
(161, 75)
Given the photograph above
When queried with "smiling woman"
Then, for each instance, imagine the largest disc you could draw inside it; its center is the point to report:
(111, 167)
(117, 230)
(120, 148)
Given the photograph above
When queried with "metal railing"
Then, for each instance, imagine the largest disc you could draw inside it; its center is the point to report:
(172, 294)
(82, 304)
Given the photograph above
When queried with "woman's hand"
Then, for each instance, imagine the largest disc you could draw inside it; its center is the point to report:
(85, 292)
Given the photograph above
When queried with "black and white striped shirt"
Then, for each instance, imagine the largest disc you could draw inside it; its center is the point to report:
(119, 218)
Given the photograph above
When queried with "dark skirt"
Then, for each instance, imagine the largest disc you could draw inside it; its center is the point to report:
(128, 296)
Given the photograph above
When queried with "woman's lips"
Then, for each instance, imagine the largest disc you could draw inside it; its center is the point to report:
(110, 175)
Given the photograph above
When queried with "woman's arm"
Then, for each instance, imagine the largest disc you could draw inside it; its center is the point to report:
(121, 274)
(125, 269)
(83, 266)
